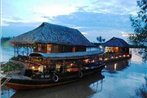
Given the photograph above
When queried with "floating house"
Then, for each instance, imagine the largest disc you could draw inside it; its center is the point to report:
(53, 55)
(116, 45)
(51, 38)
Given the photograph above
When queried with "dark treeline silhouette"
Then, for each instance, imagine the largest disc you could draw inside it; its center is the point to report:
(4, 39)
(139, 24)
(100, 39)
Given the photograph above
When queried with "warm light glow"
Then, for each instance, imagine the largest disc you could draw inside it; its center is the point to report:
(33, 67)
(106, 59)
(116, 49)
(115, 66)
(100, 59)
(49, 48)
(40, 68)
(120, 56)
(86, 60)
(93, 61)
(69, 70)
(128, 55)
(124, 55)
(112, 57)
(71, 64)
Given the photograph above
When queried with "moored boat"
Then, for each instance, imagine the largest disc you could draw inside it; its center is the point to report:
(68, 67)
(52, 55)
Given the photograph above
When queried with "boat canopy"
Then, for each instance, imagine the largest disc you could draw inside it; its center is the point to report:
(67, 55)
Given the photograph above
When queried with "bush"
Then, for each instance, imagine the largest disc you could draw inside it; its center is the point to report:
(10, 66)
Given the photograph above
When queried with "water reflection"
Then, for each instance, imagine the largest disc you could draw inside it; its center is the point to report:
(116, 66)
(142, 91)
(6, 51)
(6, 93)
(139, 54)
(79, 89)
(144, 54)
(128, 78)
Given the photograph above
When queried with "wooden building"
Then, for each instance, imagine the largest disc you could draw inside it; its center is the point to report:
(50, 38)
(116, 45)
(51, 47)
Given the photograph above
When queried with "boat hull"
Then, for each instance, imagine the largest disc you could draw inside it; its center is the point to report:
(25, 84)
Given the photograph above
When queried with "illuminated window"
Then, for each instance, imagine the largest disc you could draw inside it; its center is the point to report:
(49, 48)
(39, 47)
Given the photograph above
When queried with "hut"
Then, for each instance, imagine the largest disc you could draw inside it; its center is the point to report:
(50, 38)
(116, 45)
(52, 49)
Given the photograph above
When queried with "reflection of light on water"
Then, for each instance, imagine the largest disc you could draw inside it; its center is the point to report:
(97, 86)
(136, 57)
(7, 93)
(6, 53)
(105, 66)
(0, 54)
(115, 66)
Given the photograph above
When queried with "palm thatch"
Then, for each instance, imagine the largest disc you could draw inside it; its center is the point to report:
(116, 42)
(54, 34)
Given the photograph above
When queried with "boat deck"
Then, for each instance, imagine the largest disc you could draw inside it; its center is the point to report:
(18, 76)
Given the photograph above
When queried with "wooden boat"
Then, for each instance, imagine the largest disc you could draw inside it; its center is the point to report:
(73, 66)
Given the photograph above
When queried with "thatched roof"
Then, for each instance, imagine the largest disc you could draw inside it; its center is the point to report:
(116, 42)
(67, 55)
(51, 33)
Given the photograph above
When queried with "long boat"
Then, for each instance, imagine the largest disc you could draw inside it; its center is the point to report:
(48, 70)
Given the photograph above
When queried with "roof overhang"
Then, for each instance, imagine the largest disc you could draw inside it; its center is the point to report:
(67, 55)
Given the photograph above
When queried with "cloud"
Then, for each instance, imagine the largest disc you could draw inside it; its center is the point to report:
(95, 17)
(96, 24)
(33, 12)
(94, 20)
(120, 7)
(54, 10)
(84, 33)
(91, 24)
(9, 21)
(126, 34)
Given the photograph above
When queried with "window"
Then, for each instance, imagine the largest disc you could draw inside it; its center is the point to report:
(49, 48)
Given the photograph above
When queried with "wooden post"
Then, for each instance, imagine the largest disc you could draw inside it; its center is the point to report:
(63, 48)
(63, 66)
(74, 49)
(27, 50)
(17, 51)
(14, 51)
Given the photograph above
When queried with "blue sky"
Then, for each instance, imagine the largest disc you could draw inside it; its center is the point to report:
(93, 18)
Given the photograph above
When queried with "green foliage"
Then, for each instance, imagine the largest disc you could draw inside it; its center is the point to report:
(100, 39)
(14, 58)
(10, 66)
(139, 23)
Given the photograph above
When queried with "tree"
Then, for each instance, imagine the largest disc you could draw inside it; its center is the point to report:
(100, 39)
(139, 24)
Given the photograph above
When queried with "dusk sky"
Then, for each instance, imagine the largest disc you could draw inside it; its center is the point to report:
(106, 18)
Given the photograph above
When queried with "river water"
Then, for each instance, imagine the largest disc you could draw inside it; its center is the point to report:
(123, 79)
